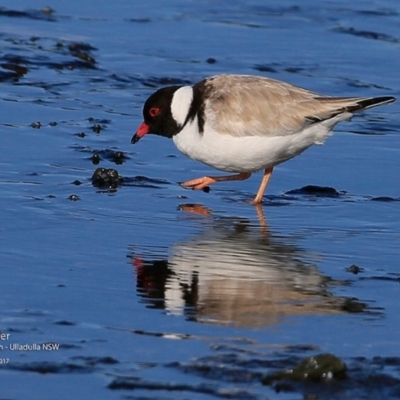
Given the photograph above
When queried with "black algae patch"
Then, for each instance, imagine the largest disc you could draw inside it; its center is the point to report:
(143, 181)
(36, 125)
(13, 71)
(64, 322)
(319, 376)
(43, 53)
(155, 82)
(106, 178)
(385, 199)
(322, 367)
(45, 13)
(78, 365)
(224, 370)
(96, 128)
(386, 361)
(368, 34)
(95, 158)
(117, 157)
(46, 367)
(316, 191)
(273, 68)
(95, 361)
(353, 306)
(354, 269)
(394, 279)
(133, 383)
(81, 51)
(139, 20)
(265, 68)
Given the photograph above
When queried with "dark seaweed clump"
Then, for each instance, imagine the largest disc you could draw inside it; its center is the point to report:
(106, 178)
(317, 191)
(321, 367)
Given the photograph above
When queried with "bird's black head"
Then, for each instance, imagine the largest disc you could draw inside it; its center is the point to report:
(157, 115)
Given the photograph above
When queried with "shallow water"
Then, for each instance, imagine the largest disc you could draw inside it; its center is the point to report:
(153, 291)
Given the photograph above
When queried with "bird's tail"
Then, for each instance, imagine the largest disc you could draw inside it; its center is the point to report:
(368, 102)
(330, 107)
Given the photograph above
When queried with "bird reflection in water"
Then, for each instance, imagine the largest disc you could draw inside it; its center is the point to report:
(237, 273)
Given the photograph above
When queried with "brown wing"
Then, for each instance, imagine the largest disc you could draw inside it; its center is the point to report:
(241, 105)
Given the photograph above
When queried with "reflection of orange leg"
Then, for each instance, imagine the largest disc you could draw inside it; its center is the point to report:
(261, 216)
(201, 183)
(195, 208)
(263, 186)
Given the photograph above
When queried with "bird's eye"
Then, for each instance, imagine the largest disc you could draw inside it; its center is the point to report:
(154, 111)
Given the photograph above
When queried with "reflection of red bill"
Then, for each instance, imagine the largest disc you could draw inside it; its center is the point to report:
(138, 264)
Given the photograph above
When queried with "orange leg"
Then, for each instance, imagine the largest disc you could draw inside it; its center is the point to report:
(201, 183)
(263, 186)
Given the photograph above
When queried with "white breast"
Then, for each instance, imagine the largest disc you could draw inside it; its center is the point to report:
(249, 153)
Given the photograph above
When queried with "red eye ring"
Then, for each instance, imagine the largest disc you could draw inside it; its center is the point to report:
(154, 111)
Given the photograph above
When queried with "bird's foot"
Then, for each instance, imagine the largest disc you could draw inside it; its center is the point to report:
(199, 183)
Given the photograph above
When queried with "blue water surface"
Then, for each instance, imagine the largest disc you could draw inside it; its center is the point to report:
(154, 291)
